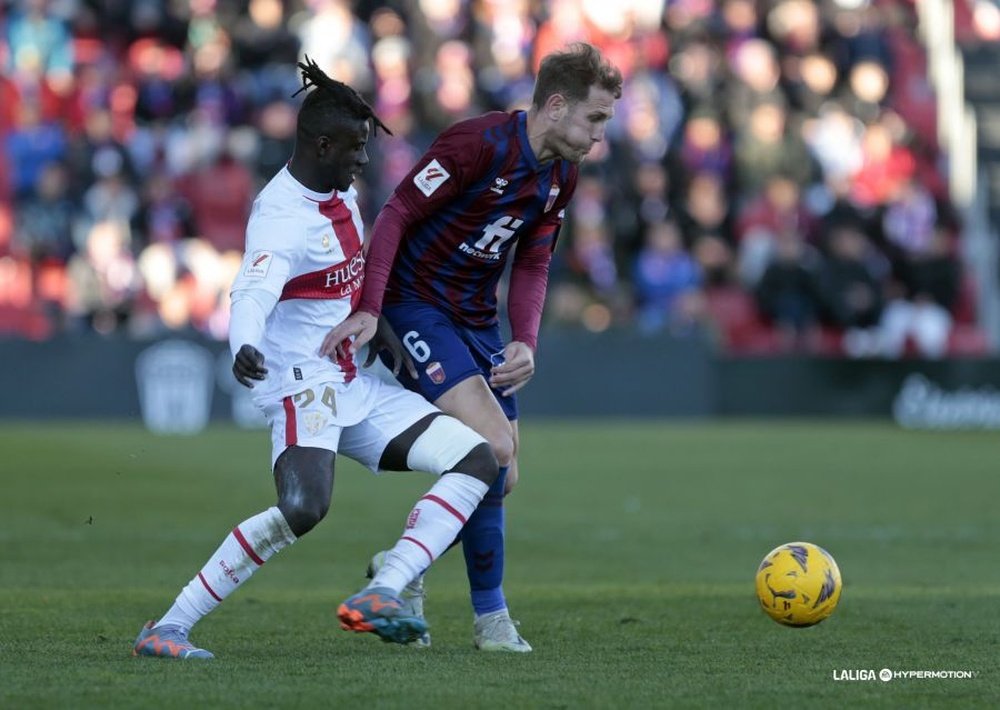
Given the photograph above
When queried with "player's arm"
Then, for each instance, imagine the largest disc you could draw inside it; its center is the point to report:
(255, 292)
(529, 277)
(457, 158)
(360, 327)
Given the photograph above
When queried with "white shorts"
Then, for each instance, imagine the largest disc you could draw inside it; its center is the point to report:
(357, 420)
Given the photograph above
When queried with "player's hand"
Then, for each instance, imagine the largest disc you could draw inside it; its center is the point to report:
(249, 365)
(385, 339)
(359, 326)
(515, 371)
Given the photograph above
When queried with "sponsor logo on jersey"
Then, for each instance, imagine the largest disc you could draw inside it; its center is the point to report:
(347, 275)
(431, 178)
(260, 263)
(499, 184)
(495, 235)
(553, 194)
(436, 372)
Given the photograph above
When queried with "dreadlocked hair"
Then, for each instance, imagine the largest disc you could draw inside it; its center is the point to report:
(330, 101)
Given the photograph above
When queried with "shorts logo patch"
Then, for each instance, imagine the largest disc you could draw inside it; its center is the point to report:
(436, 372)
(259, 264)
(411, 521)
(431, 178)
(313, 422)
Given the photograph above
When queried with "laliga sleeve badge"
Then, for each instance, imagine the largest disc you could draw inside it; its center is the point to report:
(259, 264)
(431, 178)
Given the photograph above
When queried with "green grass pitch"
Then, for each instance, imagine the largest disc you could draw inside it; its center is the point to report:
(632, 551)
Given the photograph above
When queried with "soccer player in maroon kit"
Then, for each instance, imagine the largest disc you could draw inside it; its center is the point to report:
(438, 250)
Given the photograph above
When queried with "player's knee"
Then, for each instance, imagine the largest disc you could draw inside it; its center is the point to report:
(444, 445)
(479, 463)
(510, 480)
(503, 448)
(302, 514)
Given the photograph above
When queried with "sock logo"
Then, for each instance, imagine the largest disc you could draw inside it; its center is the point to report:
(411, 521)
(229, 571)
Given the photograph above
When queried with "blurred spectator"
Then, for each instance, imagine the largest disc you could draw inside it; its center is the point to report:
(754, 81)
(920, 312)
(851, 289)
(164, 216)
(667, 282)
(103, 278)
(789, 294)
(704, 146)
(834, 139)
(811, 81)
(220, 194)
(867, 85)
(769, 147)
(338, 41)
(31, 146)
(265, 51)
(704, 210)
(45, 220)
(276, 131)
(96, 153)
(135, 134)
(40, 43)
(885, 167)
(778, 209)
(910, 219)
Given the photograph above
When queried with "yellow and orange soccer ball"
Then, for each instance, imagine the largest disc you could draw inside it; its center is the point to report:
(798, 584)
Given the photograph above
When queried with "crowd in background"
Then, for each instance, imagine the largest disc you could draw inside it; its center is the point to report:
(772, 176)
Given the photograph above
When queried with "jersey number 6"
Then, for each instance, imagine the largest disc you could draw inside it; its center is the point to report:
(420, 350)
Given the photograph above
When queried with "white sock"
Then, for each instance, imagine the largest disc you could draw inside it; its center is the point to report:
(246, 548)
(430, 528)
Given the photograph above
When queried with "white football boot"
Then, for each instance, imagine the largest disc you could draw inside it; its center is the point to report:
(496, 631)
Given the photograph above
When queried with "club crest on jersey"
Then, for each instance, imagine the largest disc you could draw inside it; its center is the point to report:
(553, 194)
(435, 371)
(313, 422)
(326, 242)
(259, 264)
(431, 178)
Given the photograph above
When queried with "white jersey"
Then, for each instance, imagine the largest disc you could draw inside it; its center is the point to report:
(305, 249)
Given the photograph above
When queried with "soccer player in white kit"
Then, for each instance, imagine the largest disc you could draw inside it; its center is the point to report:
(302, 274)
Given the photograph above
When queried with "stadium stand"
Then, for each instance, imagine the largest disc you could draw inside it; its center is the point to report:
(773, 176)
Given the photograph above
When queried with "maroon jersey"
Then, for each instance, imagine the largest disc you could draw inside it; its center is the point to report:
(476, 192)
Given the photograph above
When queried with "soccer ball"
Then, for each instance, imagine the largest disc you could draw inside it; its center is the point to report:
(798, 584)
